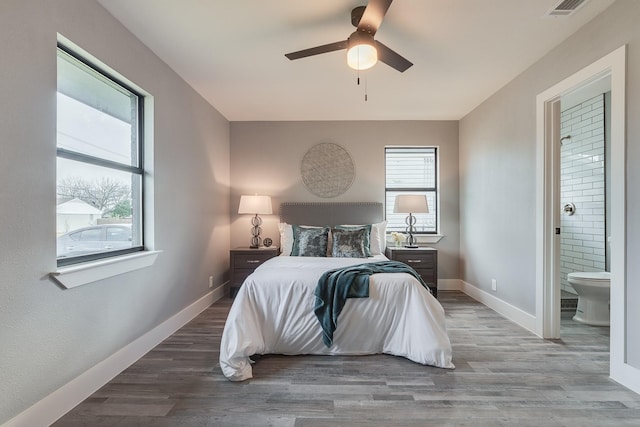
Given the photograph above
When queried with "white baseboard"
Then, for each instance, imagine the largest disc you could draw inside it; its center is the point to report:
(51, 408)
(625, 375)
(516, 315)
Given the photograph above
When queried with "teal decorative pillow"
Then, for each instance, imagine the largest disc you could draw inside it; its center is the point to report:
(310, 241)
(367, 238)
(349, 243)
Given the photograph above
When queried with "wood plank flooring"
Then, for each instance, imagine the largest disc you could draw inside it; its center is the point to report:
(504, 376)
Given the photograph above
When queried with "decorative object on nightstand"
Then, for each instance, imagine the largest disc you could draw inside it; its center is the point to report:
(244, 261)
(258, 205)
(411, 203)
(267, 242)
(398, 238)
(423, 260)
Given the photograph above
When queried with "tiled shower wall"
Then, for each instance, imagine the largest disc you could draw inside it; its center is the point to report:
(582, 181)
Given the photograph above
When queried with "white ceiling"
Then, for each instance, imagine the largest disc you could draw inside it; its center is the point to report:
(232, 53)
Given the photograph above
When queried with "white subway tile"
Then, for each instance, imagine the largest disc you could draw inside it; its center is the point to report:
(597, 230)
(573, 242)
(593, 192)
(583, 249)
(584, 262)
(583, 186)
(583, 173)
(585, 224)
(594, 244)
(597, 111)
(574, 255)
(569, 229)
(571, 122)
(579, 199)
(585, 237)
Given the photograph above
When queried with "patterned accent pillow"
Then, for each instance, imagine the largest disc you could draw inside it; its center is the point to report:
(349, 242)
(310, 241)
(367, 237)
(378, 237)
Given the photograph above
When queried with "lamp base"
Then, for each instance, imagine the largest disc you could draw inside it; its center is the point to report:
(254, 247)
(411, 246)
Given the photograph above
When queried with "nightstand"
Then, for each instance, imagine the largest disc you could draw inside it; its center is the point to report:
(244, 261)
(423, 260)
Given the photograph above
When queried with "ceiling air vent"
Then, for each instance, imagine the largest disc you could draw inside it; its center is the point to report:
(565, 7)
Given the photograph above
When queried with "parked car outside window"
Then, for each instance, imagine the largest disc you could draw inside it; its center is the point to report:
(95, 239)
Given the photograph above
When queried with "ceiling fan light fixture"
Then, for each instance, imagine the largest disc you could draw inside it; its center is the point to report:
(362, 53)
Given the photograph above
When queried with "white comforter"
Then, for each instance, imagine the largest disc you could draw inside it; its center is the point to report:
(273, 314)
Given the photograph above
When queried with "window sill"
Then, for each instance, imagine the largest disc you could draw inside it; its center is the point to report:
(422, 238)
(89, 272)
(429, 238)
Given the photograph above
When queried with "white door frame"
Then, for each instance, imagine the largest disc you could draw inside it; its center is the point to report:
(548, 209)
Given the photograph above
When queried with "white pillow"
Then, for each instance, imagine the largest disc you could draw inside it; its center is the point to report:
(286, 238)
(378, 237)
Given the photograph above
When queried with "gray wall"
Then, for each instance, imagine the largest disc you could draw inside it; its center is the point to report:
(266, 156)
(48, 336)
(498, 167)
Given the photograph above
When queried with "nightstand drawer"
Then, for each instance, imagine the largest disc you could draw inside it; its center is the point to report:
(416, 260)
(250, 261)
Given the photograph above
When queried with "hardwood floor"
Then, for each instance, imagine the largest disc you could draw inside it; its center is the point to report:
(504, 376)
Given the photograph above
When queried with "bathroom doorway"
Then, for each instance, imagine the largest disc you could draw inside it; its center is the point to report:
(584, 197)
(548, 203)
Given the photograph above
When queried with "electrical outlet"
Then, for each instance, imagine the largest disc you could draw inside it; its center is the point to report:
(494, 285)
(210, 282)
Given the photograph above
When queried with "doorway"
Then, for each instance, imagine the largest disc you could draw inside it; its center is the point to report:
(584, 152)
(549, 207)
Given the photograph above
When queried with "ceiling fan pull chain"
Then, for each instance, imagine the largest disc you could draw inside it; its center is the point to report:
(365, 89)
(358, 79)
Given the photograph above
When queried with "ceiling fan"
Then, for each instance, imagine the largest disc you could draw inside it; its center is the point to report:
(362, 50)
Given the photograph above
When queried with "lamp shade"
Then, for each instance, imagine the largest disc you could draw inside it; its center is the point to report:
(255, 205)
(411, 203)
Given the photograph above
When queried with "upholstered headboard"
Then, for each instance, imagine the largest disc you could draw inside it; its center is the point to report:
(319, 213)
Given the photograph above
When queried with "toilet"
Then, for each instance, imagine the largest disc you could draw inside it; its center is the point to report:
(593, 290)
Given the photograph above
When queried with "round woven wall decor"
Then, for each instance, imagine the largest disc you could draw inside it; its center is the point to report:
(327, 170)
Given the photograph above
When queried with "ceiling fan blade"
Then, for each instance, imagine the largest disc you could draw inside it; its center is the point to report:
(391, 58)
(373, 15)
(325, 48)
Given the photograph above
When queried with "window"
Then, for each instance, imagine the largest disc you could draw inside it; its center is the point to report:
(412, 170)
(99, 163)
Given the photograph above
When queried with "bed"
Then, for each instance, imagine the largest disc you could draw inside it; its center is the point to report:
(274, 311)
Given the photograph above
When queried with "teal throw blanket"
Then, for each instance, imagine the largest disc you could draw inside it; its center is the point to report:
(335, 286)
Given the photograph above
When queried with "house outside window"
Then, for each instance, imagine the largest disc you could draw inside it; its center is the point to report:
(100, 171)
(411, 170)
